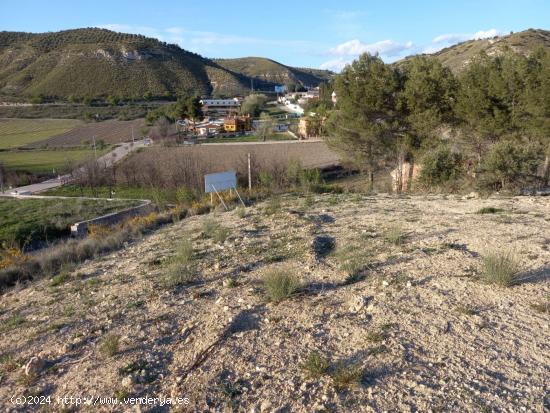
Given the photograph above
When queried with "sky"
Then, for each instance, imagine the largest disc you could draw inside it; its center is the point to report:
(320, 34)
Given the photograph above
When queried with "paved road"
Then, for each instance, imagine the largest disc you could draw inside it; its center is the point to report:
(106, 160)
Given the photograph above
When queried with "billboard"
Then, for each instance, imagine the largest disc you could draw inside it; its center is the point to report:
(280, 89)
(220, 181)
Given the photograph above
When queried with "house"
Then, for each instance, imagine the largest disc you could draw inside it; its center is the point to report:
(208, 128)
(219, 108)
(237, 124)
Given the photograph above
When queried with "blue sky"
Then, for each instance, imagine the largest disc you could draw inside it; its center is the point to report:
(324, 34)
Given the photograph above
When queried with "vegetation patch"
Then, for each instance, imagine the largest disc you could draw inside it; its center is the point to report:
(110, 345)
(395, 235)
(500, 268)
(489, 210)
(316, 365)
(280, 284)
(346, 375)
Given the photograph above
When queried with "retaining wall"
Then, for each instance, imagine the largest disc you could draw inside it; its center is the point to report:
(80, 229)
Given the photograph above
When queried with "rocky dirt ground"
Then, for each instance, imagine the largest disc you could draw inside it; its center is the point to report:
(416, 329)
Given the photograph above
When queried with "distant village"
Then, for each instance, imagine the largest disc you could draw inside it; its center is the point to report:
(224, 118)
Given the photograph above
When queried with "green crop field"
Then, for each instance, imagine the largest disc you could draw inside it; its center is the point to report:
(29, 220)
(19, 132)
(45, 161)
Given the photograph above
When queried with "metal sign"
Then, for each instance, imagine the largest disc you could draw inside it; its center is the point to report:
(220, 181)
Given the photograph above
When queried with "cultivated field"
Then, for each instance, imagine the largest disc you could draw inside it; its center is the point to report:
(110, 132)
(20, 132)
(340, 303)
(312, 154)
(45, 161)
(27, 220)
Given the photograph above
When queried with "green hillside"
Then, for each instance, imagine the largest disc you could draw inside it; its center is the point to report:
(97, 63)
(262, 69)
(458, 56)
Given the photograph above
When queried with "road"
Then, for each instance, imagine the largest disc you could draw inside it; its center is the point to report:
(106, 160)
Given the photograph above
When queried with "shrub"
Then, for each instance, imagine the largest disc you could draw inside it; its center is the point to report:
(346, 375)
(12, 322)
(280, 285)
(221, 234)
(273, 205)
(316, 365)
(184, 252)
(395, 235)
(500, 268)
(309, 179)
(489, 210)
(110, 345)
(510, 165)
(266, 180)
(59, 279)
(177, 275)
(440, 165)
(186, 196)
(241, 212)
(209, 228)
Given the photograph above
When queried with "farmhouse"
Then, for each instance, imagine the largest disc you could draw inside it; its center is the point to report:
(220, 107)
(237, 123)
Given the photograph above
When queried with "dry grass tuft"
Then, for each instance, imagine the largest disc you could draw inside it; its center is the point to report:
(280, 285)
(500, 268)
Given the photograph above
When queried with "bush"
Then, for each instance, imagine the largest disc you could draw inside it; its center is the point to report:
(309, 179)
(440, 166)
(178, 274)
(316, 365)
(489, 210)
(500, 268)
(221, 234)
(209, 228)
(184, 252)
(510, 165)
(280, 285)
(346, 375)
(395, 235)
(273, 205)
(110, 345)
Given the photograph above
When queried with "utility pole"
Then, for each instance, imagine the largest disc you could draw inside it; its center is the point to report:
(95, 149)
(249, 175)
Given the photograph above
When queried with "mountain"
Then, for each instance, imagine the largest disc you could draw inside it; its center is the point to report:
(96, 62)
(262, 69)
(458, 56)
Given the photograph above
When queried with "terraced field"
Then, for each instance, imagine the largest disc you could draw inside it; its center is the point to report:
(19, 132)
(110, 132)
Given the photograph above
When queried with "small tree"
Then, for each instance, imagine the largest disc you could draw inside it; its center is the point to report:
(509, 164)
(265, 126)
(440, 166)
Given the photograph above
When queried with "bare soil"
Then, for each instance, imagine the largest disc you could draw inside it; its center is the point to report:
(417, 323)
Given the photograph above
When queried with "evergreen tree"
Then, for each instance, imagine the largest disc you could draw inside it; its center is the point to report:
(366, 120)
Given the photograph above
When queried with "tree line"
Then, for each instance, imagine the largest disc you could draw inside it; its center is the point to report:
(487, 126)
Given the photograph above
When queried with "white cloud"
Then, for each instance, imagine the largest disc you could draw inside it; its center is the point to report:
(452, 38)
(335, 65)
(484, 34)
(356, 47)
